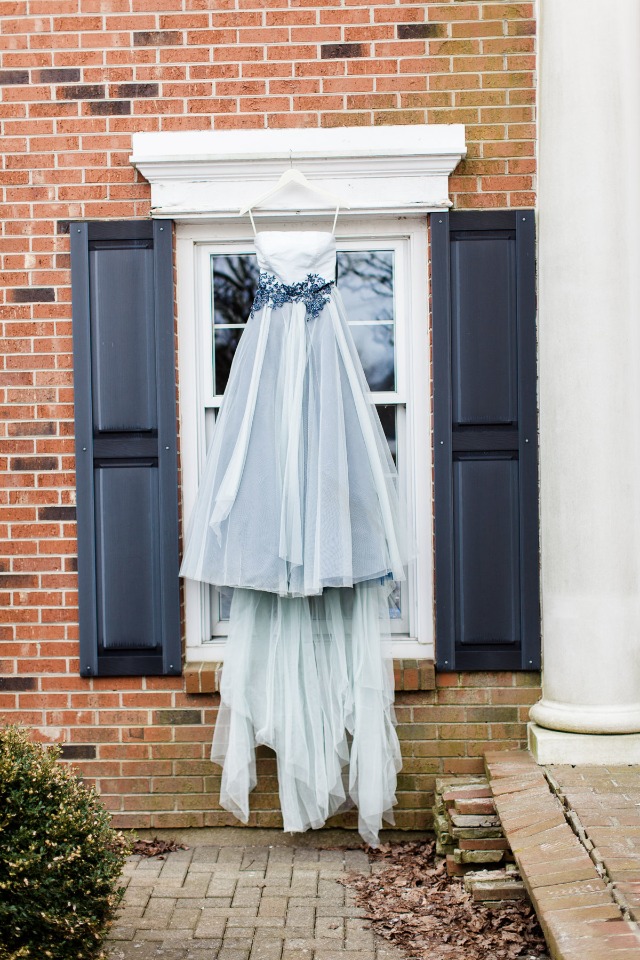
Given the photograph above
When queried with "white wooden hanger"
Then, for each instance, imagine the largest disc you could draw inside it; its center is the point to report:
(292, 175)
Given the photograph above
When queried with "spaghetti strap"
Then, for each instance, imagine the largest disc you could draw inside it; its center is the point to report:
(253, 222)
(335, 220)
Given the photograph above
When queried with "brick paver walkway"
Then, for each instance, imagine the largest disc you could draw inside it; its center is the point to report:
(573, 833)
(269, 902)
(603, 805)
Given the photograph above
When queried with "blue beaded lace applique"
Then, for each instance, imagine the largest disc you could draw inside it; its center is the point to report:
(314, 291)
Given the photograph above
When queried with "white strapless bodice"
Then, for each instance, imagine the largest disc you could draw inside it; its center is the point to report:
(291, 255)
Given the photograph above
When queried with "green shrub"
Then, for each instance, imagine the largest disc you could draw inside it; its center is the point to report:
(59, 857)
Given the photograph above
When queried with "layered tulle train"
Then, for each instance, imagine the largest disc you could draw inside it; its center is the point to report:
(298, 510)
(312, 679)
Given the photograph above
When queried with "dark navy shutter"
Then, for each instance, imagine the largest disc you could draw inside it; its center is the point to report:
(486, 489)
(126, 464)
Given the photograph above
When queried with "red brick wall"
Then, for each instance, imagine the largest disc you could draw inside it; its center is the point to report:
(146, 743)
(75, 84)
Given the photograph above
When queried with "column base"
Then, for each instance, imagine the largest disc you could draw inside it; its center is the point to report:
(583, 749)
(583, 718)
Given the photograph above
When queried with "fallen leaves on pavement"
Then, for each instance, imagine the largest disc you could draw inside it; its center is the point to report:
(155, 847)
(411, 901)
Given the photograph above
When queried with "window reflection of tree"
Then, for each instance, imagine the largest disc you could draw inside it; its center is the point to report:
(387, 414)
(375, 345)
(366, 280)
(235, 279)
(370, 274)
(226, 344)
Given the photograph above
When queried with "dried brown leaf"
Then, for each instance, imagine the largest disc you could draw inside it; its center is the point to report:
(412, 902)
(156, 847)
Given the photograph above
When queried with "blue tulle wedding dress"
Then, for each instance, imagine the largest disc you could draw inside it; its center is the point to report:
(298, 510)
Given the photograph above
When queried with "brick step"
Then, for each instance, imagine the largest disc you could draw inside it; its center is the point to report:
(493, 885)
(574, 902)
(468, 829)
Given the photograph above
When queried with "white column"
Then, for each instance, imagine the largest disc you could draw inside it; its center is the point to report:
(589, 333)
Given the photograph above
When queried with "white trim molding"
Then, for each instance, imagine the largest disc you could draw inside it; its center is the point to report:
(399, 170)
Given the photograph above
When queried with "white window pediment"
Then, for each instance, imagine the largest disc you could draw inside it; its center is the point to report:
(210, 174)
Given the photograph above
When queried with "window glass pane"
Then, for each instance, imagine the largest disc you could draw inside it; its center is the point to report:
(375, 346)
(224, 602)
(365, 281)
(235, 278)
(395, 603)
(225, 341)
(366, 284)
(221, 599)
(387, 413)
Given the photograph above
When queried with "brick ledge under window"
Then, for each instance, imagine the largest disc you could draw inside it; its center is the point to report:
(204, 677)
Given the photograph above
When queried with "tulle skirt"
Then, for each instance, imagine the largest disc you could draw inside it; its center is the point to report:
(298, 510)
(311, 678)
(299, 491)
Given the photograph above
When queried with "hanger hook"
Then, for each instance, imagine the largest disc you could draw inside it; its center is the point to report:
(291, 159)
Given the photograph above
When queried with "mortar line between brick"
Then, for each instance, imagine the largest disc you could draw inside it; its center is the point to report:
(579, 830)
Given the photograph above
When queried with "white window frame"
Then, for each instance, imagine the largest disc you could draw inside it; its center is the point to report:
(194, 243)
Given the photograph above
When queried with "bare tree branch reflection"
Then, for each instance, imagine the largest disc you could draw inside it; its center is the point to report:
(235, 278)
(368, 275)
(365, 279)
